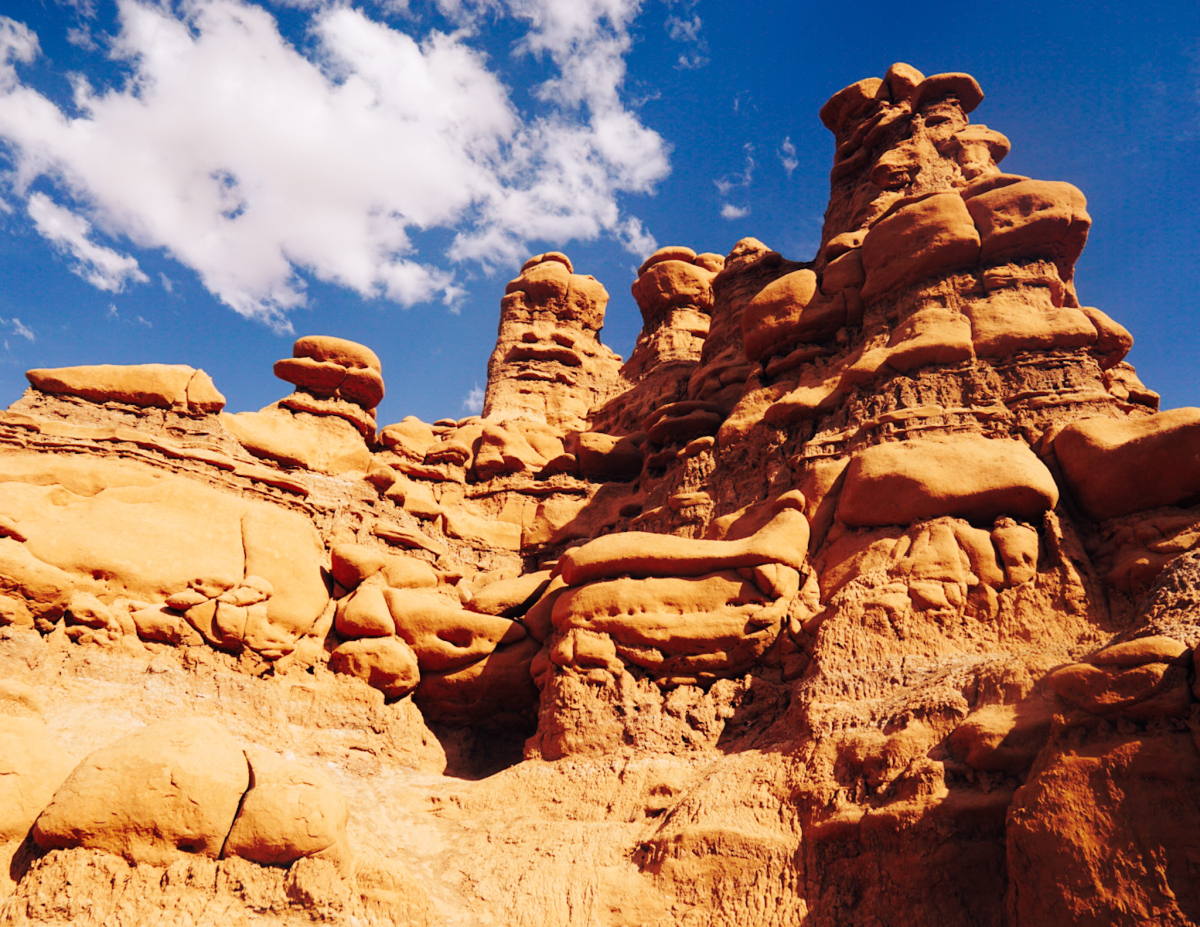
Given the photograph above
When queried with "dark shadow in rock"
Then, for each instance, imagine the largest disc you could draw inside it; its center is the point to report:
(474, 753)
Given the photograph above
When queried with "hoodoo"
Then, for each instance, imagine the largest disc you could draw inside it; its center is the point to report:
(866, 592)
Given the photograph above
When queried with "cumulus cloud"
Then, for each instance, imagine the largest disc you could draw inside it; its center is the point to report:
(102, 267)
(729, 211)
(255, 163)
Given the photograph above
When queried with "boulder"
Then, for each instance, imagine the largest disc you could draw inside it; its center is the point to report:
(171, 788)
(290, 812)
(967, 476)
(443, 636)
(932, 235)
(1031, 219)
(32, 767)
(1106, 462)
(384, 663)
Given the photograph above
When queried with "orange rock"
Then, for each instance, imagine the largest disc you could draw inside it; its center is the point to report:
(1033, 218)
(1142, 650)
(32, 767)
(313, 442)
(444, 637)
(964, 475)
(326, 348)
(384, 663)
(497, 690)
(365, 614)
(777, 316)
(929, 236)
(165, 790)
(606, 457)
(352, 563)
(410, 437)
(291, 811)
(320, 377)
(1105, 462)
(510, 597)
(784, 540)
(1141, 691)
(1003, 738)
(162, 386)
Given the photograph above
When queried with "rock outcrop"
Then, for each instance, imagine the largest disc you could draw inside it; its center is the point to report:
(865, 592)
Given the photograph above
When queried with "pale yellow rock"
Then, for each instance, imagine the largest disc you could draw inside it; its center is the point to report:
(284, 548)
(290, 812)
(352, 563)
(38, 589)
(168, 789)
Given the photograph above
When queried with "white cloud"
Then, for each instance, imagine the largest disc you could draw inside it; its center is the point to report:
(787, 156)
(253, 164)
(19, 328)
(729, 211)
(102, 267)
(473, 403)
(684, 26)
(743, 178)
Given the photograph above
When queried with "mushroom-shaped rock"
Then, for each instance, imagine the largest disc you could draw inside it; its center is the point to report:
(171, 788)
(290, 812)
(783, 539)
(331, 367)
(968, 476)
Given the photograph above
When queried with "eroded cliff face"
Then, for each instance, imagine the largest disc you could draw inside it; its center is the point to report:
(865, 592)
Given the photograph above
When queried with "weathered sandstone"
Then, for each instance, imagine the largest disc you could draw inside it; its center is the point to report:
(864, 592)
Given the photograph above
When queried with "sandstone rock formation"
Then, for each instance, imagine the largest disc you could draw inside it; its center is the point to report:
(865, 592)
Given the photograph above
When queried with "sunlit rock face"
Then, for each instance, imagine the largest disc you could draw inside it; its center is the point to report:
(864, 592)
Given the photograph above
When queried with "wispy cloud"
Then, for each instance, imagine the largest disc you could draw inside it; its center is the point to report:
(473, 402)
(787, 156)
(684, 25)
(17, 327)
(254, 162)
(739, 181)
(742, 178)
(102, 267)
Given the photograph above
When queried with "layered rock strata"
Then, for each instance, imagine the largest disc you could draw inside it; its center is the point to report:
(865, 592)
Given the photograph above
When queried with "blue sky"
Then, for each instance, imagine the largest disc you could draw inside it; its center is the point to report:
(202, 182)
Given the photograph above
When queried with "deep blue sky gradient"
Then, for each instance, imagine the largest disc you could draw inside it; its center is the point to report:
(1103, 95)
